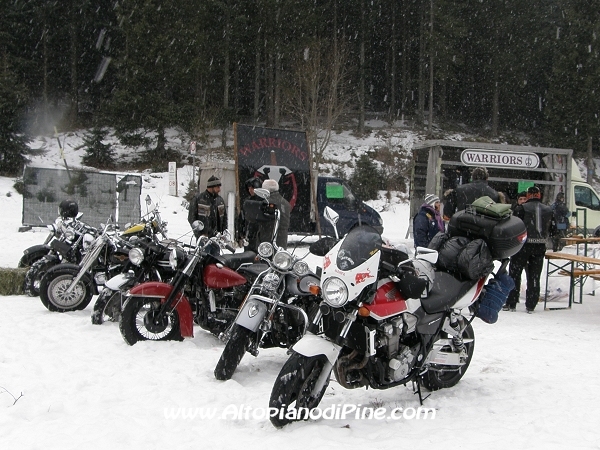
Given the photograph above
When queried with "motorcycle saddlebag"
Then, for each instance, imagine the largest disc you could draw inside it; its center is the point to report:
(504, 236)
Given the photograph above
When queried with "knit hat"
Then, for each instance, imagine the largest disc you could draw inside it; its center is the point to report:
(431, 199)
(270, 185)
(213, 181)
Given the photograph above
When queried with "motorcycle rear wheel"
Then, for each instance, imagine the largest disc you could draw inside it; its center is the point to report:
(139, 322)
(53, 291)
(441, 377)
(233, 352)
(293, 387)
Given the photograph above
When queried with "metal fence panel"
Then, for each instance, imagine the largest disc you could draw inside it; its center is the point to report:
(98, 195)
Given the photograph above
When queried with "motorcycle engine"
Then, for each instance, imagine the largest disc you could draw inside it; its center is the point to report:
(400, 366)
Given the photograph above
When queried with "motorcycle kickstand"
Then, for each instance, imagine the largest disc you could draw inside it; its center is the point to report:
(417, 391)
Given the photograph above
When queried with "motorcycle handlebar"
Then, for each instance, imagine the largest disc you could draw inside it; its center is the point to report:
(230, 248)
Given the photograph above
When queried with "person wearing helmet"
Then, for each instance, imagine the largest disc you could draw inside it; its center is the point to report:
(248, 230)
(465, 194)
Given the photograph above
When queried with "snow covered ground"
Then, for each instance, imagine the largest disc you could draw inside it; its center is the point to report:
(533, 381)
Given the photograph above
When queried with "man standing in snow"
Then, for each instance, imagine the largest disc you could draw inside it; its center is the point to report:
(209, 208)
(265, 234)
(538, 220)
(428, 222)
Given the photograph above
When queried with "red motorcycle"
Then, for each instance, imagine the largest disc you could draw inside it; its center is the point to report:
(207, 289)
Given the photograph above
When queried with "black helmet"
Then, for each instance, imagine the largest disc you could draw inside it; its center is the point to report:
(253, 182)
(68, 208)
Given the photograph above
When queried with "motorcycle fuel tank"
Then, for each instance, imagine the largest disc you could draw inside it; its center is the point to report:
(222, 277)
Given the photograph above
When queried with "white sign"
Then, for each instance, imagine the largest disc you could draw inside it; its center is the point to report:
(498, 158)
(173, 179)
(193, 147)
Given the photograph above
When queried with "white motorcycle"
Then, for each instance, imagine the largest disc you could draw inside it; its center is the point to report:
(385, 320)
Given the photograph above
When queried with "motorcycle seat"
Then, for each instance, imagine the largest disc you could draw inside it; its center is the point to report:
(235, 260)
(446, 291)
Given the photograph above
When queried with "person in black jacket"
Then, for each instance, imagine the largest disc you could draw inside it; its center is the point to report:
(561, 221)
(428, 222)
(209, 208)
(248, 229)
(538, 220)
(465, 194)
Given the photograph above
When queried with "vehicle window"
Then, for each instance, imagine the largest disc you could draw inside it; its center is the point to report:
(585, 197)
(338, 193)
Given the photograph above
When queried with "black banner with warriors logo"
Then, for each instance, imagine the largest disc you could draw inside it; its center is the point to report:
(280, 155)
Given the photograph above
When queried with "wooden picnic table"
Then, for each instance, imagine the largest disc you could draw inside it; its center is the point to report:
(576, 267)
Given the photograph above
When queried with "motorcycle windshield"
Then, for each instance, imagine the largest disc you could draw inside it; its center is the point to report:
(359, 245)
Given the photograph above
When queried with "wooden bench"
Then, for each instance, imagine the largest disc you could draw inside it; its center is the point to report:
(573, 266)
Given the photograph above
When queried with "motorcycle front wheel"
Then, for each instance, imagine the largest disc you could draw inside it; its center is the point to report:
(107, 307)
(141, 321)
(293, 388)
(233, 352)
(54, 287)
(33, 277)
(441, 377)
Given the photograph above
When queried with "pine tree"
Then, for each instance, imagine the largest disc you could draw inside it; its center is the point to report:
(97, 153)
(366, 179)
(13, 143)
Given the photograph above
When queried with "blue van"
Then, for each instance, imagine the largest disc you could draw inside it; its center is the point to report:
(335, 193)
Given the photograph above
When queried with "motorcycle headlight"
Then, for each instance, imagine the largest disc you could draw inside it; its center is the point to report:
(335, 292)
(283, 261)
(265, 250)
(136, 256)
(300, 268)
(173, 259)
(69, 234)
(88, 240)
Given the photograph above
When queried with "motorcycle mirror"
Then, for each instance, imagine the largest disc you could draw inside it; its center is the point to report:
(427, 254)
(262, 193)
(331, 215)
(197, 225)
(148, 200)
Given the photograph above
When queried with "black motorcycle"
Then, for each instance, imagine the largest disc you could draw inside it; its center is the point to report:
(66, 242)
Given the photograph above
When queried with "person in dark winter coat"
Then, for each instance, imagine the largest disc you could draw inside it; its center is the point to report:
(428, 222)
(561, 216)
(209, 208)
(538, 220)
(465, 194)
(266, 231)
(248, 230)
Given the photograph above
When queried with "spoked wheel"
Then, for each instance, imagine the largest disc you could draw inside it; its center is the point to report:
(141, 321)
(233, 352)
(294, 386)
(107, 307)
(55, 293)
(34, 275)
(442, 376)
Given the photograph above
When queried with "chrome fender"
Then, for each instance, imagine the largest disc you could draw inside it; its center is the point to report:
(252, 314)
(313, 345)
(116, 282)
